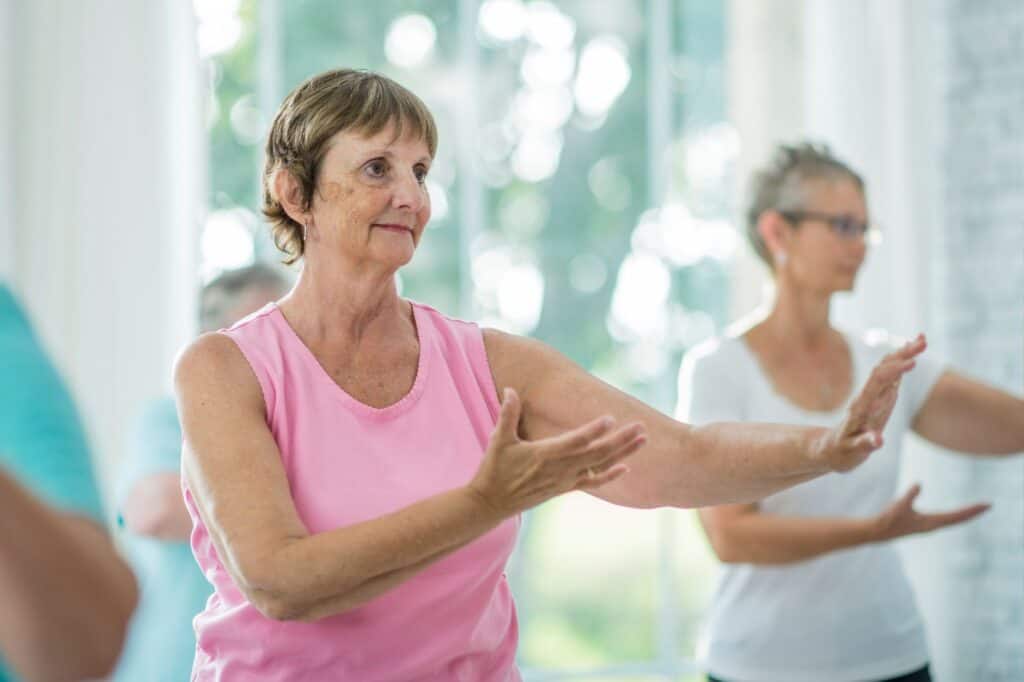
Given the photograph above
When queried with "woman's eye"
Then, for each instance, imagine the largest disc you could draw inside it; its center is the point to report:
(421, 175)
(377, 168)
(850, 227)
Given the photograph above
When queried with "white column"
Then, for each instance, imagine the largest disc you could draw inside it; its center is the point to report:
(764, 61)
(467, 119)
(7, 173)
(108, 159)
(861, 100)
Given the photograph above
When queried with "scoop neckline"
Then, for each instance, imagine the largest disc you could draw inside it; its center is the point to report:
(347, 399)
(767, 382)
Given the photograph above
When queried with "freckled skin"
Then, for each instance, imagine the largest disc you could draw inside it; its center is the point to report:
(366, 182)
(330, 191)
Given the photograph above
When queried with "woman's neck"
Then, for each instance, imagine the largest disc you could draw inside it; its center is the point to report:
(799, 317)
(345, 304)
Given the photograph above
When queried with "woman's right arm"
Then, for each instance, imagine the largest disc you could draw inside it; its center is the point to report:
(234, 471)
(742, 534)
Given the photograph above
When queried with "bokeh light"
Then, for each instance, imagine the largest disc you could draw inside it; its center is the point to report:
(410, 40)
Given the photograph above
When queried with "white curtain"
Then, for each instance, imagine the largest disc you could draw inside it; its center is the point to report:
(103, 170)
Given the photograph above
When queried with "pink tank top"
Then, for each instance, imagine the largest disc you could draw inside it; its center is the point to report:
(348, 462)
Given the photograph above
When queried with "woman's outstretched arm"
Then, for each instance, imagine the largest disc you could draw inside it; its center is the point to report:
(971, 417)
(688, 466)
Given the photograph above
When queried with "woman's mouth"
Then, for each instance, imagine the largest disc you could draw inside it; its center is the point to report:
(394, 227)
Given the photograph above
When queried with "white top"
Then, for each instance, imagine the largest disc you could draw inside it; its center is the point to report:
(845, 616)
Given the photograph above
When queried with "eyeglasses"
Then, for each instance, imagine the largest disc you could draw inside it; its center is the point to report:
(844, 226)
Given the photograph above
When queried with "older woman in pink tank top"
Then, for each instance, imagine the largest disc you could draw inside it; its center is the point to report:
(355, 463)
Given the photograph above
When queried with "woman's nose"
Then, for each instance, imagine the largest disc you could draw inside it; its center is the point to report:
(408, 193)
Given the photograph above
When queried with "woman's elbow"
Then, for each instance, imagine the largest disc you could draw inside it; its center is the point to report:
(278, 608)
(271, 596)
(262, 588)
(283, 608)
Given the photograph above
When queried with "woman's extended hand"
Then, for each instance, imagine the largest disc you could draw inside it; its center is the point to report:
(900, 518)
(849, 444)
(518, 474)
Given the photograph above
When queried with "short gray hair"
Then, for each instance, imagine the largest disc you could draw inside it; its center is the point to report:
(781, 185)
(219, 296)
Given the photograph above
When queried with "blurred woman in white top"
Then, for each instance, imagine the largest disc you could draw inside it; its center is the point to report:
(811, 589)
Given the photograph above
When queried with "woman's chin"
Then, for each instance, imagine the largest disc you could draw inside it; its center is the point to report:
(398, 257)
(846, 283)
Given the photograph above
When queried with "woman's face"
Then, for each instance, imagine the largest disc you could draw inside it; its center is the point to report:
(371, 203)
(820, 256)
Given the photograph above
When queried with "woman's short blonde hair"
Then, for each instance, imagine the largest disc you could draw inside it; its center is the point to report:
(313, 113)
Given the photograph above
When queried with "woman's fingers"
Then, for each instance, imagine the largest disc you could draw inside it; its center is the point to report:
(873, 405)
(609, 445)
(577, 440)
(596, 480)
(901, 519)
(611, 467)
(907, 500)
(866, 443)
(506, 431)
(518, 474)
(912, 348)
(934, 521)
(614, 449)
(605, 452)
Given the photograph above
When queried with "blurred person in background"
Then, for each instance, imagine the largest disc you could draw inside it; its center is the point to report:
(65, 594)
(812, 588)
(355, 463)
(161, 642)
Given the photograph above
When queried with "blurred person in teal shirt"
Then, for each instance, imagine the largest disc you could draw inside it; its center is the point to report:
(161, 642)
(65, 595)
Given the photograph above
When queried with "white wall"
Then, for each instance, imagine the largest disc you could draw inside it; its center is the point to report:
(103, 132)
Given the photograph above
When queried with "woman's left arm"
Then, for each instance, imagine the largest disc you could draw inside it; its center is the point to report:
(683, 465)
(971, 417)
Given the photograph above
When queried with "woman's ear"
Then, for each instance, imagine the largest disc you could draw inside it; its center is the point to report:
(288, 193)
(774, 231)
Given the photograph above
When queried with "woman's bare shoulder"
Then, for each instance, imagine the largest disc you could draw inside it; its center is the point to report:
(213, 363)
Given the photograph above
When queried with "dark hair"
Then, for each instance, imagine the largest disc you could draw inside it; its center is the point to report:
(315, 111)
(781, 185)
(219, 296)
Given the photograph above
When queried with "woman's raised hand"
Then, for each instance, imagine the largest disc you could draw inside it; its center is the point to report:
(849, 444)
(518, 474)
(900, 518)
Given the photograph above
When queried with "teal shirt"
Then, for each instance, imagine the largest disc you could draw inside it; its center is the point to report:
(42, 443)
(161, 642)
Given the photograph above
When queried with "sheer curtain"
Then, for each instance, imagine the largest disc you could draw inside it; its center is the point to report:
(102, 167)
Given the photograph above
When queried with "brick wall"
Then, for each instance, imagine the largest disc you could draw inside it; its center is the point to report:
(981, 319)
